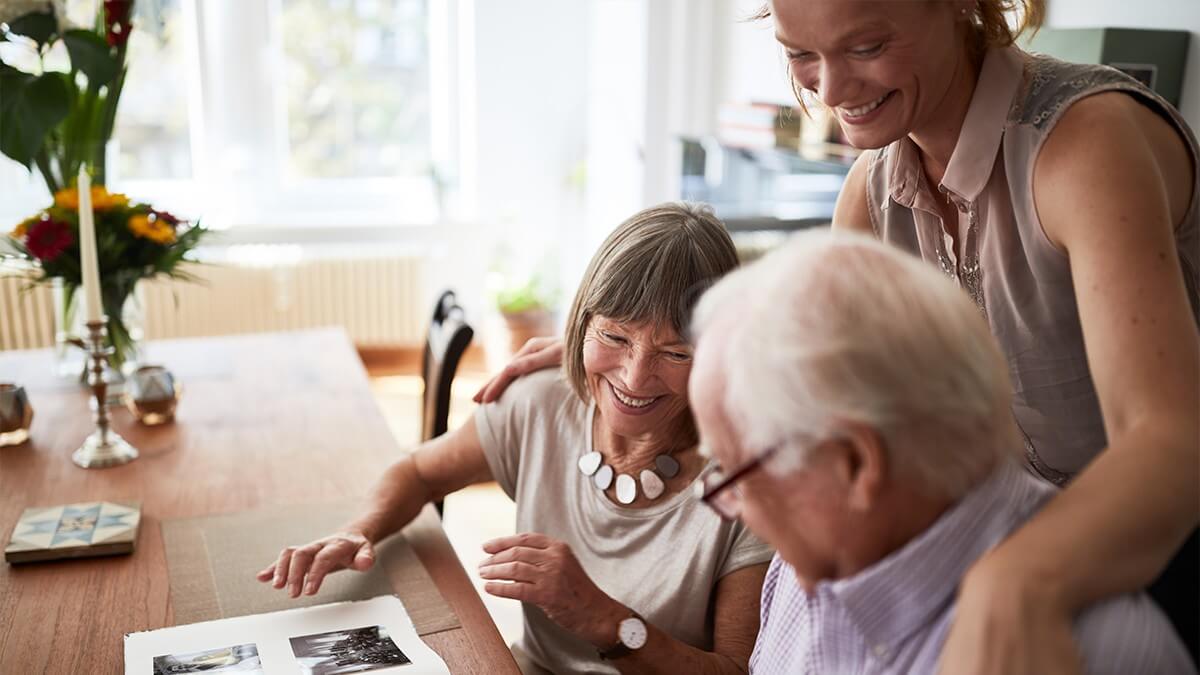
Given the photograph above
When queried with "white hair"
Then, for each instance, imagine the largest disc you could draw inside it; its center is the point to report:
(837, 328)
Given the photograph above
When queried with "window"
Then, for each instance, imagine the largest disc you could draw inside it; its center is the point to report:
(357, 88)
(289, 113)
(152, 127)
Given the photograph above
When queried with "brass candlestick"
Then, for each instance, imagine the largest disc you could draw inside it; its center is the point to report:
(103, 447)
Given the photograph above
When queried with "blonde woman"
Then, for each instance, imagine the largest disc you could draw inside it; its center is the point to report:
(1065, 199)
(617, 566)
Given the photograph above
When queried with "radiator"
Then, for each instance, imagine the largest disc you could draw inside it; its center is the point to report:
(378, 301)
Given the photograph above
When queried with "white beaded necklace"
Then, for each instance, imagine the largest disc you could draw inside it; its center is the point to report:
(592, 465)
(653, 485)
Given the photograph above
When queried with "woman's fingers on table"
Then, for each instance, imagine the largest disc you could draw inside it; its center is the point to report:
(266, 574)
(332, 557)
(301, 569)
(302, 560)
(281, 567)
(364, 557)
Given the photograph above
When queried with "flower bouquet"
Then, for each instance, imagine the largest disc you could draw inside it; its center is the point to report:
(133, 242)
(57, 118)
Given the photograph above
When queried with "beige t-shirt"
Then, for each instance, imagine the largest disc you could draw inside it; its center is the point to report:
(662, 561)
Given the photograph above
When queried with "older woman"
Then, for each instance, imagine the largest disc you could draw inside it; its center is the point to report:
(616, 565)
(1065, 199)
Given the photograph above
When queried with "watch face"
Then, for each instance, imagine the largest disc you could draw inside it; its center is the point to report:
(632, 632)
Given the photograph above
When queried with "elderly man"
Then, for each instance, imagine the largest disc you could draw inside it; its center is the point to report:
(862, 411)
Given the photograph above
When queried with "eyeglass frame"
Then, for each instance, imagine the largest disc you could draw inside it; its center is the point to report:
(710, 493)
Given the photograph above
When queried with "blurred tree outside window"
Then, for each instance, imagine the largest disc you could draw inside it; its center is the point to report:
(152, 129)
(357, 88)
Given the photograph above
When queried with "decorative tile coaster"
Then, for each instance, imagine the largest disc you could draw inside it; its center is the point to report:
(74, 531)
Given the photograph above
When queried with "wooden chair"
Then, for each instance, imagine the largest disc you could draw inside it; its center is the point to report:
(447, 339)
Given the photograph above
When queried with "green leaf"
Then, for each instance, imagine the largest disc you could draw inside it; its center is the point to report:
(37, 26)
(33, 105)
(91, 55)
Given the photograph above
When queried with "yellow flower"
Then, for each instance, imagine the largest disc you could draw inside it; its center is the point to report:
(146, 227)
(68, 198)
(22, 227)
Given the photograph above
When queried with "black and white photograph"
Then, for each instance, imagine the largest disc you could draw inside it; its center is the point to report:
(236, 659)
(357, 650)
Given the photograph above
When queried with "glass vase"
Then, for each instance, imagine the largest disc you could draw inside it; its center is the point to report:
(125, 329)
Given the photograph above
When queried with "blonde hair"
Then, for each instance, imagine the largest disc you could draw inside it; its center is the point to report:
(991, 26)
(653, 267)
(837, 328)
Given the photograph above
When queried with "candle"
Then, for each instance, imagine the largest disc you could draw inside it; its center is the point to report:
(93, 309)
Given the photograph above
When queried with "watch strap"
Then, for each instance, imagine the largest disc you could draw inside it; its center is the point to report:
(619, 649)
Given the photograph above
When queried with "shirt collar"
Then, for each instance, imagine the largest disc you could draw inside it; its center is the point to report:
(979, 140)
(902, 593)
(974, 154)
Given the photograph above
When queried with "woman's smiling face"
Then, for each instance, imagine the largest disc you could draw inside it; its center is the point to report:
(882, 67)
(637, 374)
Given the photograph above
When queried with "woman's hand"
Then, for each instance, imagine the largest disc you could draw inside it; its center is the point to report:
(343, 550)
(1006, 622)
(544, 572)
(537, 354)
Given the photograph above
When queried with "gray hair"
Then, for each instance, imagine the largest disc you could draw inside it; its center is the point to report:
(839, 328)
(652, 268)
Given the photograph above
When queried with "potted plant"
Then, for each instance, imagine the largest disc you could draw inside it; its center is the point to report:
(527, 305)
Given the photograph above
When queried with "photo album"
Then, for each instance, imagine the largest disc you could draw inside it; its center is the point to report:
(373, 636)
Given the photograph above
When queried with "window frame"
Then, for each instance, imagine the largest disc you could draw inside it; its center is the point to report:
(237, 127)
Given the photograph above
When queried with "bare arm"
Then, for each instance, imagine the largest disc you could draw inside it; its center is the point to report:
(735, 627)
(544, 572)
(1110, 206)
(439, 467)
(851, 213)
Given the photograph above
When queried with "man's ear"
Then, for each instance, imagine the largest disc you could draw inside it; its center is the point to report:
(862, 465)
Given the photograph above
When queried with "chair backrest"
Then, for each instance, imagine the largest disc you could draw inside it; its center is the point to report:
(445, 343)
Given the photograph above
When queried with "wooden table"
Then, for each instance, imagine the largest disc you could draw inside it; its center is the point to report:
(265, 420)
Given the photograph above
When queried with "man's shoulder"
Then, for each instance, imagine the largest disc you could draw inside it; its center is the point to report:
(1129, 634)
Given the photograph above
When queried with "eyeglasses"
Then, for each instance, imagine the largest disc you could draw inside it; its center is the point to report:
(720, 491)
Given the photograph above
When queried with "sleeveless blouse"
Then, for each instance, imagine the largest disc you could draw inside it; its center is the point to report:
(1018, 278)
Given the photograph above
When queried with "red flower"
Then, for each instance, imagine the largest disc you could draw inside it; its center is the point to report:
(116, 21)
(167, 218)
(48, 238)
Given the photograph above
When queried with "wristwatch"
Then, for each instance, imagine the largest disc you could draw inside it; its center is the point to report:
(631, 635)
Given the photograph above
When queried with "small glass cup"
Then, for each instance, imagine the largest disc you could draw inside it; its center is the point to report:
(16, 415)
(151, 394)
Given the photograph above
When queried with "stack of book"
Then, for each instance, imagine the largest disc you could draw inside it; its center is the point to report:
(759, 125)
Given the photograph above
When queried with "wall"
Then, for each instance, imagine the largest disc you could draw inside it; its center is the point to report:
(757, 69)
(1163, 14)
(524, 128)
